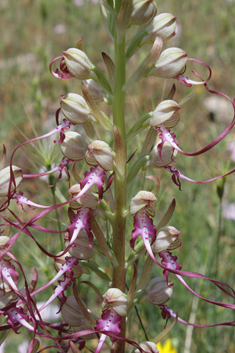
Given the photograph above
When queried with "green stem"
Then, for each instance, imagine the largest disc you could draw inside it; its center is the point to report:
(119, 221)
(217, 252)
(141, 323)
(119, 95)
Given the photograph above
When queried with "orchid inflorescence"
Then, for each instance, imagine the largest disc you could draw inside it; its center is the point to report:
(102, 191)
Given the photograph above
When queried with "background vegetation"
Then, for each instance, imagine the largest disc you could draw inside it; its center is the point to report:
(33, 32)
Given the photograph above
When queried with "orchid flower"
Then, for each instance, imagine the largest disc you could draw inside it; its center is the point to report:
(60, 167)
(64, 73)
(21, 200)
(141, 205)
(100, 155)
(143, 226)
(188, 82)
(176, 175)
(79, 222)
(58, 290)
(74, 63)
(94, 177)
(170, 263)
(70, 262)
(65, 125)
(167, 312)
(9, 273)
(114, 307)
(166, 135)
(10, 179)
(16, 316)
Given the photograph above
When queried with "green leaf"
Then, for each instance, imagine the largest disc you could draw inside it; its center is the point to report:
(165, 332)
(136, 167)
(92, 266)
(134, 45)
(102, 79)
(109, 7)
(138, 248)
(167, 216)
(110, 68)
(79, 44)
(138, 125)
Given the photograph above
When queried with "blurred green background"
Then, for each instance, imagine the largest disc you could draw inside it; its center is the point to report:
(33, 32)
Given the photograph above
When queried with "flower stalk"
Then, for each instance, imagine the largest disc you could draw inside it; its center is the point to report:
(119, 221)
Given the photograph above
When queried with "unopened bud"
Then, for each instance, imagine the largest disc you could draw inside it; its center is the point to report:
(78, 64)
(163, 25)
(143, 11)
(80, 248)
(78, 269)
(171, 63)
(5, 178)
(75, 108)
(141, 200)
(99, 153)
(87, 200)
(73, 147)
(168, 154)
(158, 291)
(167, 239)
(3, 241)
(148, 347)
(6, 294)
(36, 345)
(71, 312)
(95, 89)
(115, 299)
(166, 113)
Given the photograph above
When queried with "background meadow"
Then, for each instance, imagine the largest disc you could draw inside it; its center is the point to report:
(33, 32)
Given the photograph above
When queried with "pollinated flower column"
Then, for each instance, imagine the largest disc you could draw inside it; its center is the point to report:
(101, 193)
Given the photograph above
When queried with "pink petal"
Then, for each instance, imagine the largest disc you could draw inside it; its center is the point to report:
(21, 200)
(17, 315)
(143, 226)
(8, 270)
(110, 321)
(167, 312)
(59, 289)
(70, 261)
(95, 176)
(64, 73)
(177, 175)
(79, 222)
